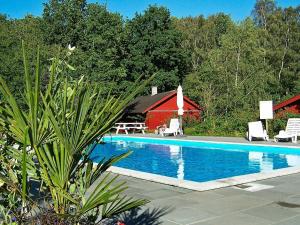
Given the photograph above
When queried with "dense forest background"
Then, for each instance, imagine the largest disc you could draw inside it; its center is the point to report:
(225, 66)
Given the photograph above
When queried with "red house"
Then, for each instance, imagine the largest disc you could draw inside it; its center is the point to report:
(291, 105)
(158, 109)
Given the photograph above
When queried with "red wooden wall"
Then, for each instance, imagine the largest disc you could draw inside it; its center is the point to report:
(162, 113)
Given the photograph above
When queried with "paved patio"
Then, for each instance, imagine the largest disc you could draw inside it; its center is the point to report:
(216, 139)
(279, 205)
(169, 205)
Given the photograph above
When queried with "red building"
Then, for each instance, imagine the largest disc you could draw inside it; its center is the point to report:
(158, 109)
(291, 105)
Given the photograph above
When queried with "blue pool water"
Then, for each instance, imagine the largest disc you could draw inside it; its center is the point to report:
(195, 161)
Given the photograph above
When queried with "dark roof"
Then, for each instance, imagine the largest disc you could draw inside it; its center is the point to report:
(140, 104)
(286, 102)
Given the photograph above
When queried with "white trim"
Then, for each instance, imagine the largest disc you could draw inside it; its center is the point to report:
(204, 186)
(204, 141)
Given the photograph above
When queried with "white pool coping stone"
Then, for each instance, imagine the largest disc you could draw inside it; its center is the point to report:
(208, 185)
(268, 144)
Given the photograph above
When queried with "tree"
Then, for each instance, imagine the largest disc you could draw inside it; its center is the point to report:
(234, 75)
(283, 54)
(12, 32)
(201, 36)
(153, 45)
(96, 33)
(64, 22)
(102, 48)
(262, 10)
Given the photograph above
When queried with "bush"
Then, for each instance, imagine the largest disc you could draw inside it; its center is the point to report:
(57, 131)
(235, 124)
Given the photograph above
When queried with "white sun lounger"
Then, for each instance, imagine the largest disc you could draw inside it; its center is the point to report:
(256, 130)
(173, 129)
(291, 131)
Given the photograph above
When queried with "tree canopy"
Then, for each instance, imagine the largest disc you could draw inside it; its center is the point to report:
(225, 66)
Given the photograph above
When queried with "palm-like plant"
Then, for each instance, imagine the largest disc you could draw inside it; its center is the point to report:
(62, 125)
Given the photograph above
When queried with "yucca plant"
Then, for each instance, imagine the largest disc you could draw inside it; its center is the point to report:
(61, 125)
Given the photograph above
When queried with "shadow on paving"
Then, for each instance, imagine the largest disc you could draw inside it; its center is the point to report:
(146, 217)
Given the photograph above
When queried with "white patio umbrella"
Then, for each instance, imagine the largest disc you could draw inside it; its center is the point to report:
(180, 106)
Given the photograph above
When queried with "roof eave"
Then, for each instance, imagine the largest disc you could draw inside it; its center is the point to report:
(286, 102)
(159, 102)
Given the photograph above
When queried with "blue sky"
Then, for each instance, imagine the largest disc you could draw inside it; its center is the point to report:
(238, 9)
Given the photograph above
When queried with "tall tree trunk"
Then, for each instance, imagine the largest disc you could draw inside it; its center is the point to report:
(264, 18)
(284, 52)
(237, 64)
(227, 86)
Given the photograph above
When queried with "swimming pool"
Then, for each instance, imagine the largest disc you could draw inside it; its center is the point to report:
(196, 161)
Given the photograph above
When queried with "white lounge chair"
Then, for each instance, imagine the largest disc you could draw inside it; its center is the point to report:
(256, 130)
(173, 129)
(291, 131)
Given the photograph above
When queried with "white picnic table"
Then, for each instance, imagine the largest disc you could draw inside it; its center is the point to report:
(130, 126)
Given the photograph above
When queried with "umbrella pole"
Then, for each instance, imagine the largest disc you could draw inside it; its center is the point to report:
(180, 125)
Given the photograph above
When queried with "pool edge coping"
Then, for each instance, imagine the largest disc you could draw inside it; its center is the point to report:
(207, 141)
(207, 185)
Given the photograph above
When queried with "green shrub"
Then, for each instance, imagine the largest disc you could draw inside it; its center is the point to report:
(235, 124)
(59, 128)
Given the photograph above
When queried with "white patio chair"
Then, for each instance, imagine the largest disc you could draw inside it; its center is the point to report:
(172, 129)
(256, 130)
(291, 131)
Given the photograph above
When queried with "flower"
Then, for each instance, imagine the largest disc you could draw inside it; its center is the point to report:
(71, 48)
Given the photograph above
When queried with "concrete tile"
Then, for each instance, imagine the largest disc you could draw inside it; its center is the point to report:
(271, 212)
(231, 204)
(141, 196)
(222, 206)
(291, 221)
(235, 219)
(228, 191)
(291, 178)
(133, 190)
(289, 188)
(201, 197)
(167, 222)
(272, 181)
(269, 194)
(174, 202)
(187, 215)
(147, 186)
(201, 223)
(294, 200)
(161, 193)
(177, 189)
(144, 215)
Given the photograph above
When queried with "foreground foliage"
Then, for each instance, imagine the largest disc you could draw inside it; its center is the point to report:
(56, 132)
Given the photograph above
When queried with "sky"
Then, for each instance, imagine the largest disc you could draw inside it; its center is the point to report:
(238, 9)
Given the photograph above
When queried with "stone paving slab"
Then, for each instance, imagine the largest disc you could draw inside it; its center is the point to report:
(187, 215)
(271, 212)
(231, 204)
(291, 221)
(235, 219)
(219, 139)
(226, 206)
